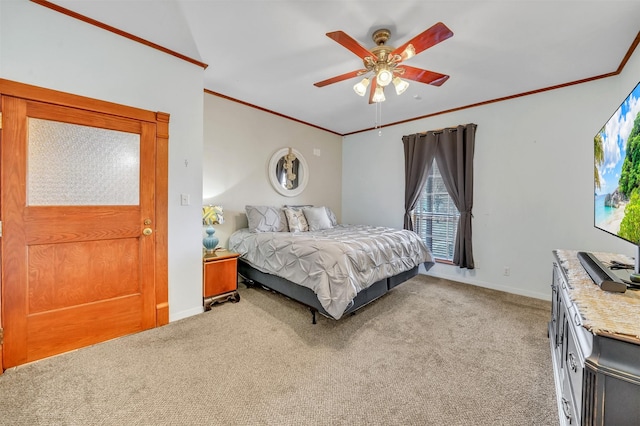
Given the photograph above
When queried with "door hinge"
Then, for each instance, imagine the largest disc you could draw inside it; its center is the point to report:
(0, 228)
(1, 336)
(0, 120)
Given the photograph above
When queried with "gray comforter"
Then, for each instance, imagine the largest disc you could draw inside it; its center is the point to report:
(335, 263)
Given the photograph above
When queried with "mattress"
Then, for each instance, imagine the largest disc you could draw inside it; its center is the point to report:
(336, 263)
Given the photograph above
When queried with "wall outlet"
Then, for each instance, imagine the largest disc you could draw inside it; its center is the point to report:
(507, 271)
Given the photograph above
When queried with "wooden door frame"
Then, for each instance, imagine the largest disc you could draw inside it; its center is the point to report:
(161, 120)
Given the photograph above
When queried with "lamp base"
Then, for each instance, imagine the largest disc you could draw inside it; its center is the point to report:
(210, 242)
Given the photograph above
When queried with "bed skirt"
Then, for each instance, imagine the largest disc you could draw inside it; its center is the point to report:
(307, 297)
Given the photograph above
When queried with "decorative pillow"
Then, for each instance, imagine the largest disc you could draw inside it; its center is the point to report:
(266, 219)
(317, 218)
(332, 216)
(296, 219)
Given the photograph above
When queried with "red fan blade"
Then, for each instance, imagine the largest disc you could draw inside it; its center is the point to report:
(338, 78)
(430, 37)
(345, 40)
(372, 89)
(423, 76)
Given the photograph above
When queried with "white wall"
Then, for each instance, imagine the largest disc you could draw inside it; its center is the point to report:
(44, 48)
(533, 163)
(238, 144)
(533, 180)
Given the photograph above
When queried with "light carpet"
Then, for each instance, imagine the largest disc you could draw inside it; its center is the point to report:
(431, 352)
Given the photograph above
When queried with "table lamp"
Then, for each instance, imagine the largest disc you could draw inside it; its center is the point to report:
(211, 215)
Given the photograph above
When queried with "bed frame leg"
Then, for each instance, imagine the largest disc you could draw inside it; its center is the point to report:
(313, 316)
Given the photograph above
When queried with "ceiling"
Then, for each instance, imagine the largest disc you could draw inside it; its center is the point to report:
(268, 53)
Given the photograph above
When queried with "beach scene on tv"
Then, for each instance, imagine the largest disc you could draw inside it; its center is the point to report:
(617, 171)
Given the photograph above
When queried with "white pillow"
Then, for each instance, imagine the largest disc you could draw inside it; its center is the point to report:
(296, 219)
(332, 216)
(317, 218)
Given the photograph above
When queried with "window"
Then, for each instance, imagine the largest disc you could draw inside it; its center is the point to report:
(435, 217)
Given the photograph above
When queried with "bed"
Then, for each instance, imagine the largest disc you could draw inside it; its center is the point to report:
(332, 268)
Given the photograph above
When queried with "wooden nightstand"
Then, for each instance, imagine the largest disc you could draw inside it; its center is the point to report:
(219, 278)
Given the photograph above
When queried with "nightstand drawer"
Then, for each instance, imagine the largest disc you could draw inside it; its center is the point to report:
(220, 277)
(220, 273)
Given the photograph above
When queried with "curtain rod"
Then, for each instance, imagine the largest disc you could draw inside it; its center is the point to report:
(451, 129)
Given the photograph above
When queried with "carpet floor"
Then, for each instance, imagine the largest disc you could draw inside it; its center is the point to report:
(430, 352)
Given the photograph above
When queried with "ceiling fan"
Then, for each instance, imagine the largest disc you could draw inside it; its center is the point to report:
(382, 64)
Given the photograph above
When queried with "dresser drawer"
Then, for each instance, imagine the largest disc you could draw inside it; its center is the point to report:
(568, 414)
(555, 305)
(574, 369)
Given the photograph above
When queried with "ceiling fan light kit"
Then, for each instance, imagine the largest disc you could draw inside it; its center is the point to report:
(361, 87)
(400, 85)
(382, 62)
(378, 95)
(384, 76)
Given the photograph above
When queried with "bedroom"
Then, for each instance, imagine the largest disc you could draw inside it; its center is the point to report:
(530, 196)
(533, 205)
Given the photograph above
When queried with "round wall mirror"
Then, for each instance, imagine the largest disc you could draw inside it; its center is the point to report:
(288, 172)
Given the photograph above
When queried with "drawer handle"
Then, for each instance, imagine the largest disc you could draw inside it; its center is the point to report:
(572, 362)
(560, 338)
(566, 408)
(576, 319)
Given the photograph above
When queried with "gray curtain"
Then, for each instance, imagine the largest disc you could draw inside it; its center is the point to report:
(453, 149)
(419, 150)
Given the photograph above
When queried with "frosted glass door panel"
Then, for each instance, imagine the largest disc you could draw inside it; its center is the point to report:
(70, 164)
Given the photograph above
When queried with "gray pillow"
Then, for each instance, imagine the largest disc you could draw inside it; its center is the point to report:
(317, 218)
(266, 219)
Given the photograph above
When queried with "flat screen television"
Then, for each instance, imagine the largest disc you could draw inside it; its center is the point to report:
(617, 173)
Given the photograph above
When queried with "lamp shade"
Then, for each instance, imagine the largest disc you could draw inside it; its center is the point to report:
(361, 87)
(378, 95)
(400, 85)
(384, 77)
(212, 215)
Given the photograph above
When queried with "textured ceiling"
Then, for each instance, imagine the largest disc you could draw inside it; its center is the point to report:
(269, 53)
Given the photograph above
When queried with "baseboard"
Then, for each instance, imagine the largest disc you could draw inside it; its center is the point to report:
(479, 283)
(185, 314)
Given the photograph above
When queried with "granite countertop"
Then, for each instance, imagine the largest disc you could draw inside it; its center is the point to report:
(603, 313)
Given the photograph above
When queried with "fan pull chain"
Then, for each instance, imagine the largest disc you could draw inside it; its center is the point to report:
(378, 123)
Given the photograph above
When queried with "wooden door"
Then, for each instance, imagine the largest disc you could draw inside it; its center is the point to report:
(77, 268)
